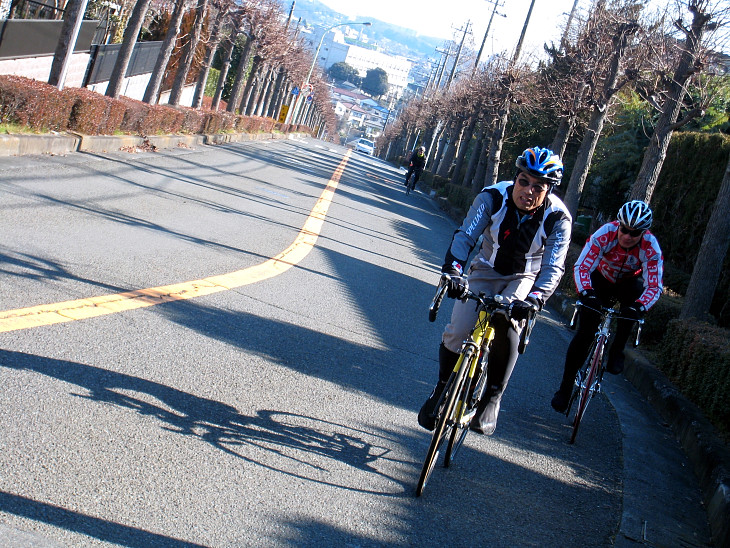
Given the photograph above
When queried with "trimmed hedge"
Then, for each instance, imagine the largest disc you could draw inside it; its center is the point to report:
(31, 103)
(697, 359)
(42, 107)
(682, 202)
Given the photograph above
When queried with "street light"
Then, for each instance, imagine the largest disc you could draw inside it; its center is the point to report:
(292, 113)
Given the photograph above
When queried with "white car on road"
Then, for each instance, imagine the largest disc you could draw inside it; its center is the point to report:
(365, 145)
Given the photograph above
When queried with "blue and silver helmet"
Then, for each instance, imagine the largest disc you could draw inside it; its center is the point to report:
(542, 163)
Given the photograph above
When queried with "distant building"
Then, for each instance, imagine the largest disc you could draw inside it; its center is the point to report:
(336, 49)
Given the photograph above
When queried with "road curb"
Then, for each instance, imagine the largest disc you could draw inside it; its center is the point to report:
(66, 143)
(709, 456)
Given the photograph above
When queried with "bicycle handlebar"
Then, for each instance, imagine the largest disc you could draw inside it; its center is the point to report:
(612, 313)
(495, 302)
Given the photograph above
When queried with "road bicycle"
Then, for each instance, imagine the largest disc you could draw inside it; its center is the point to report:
(590, 375)
(466, 385)
(411, 182)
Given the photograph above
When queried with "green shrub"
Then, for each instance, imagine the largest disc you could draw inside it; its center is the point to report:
(461, 197)
(696, 358)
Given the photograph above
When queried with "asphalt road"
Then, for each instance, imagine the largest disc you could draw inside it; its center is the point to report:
(280, 410)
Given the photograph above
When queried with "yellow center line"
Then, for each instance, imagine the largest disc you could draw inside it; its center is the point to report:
(81, 309)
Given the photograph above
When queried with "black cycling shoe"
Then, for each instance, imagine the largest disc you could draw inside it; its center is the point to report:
(486, 423)
(560, 401)
(427, 414)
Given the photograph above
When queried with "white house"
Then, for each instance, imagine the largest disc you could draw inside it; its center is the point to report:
(335, 50)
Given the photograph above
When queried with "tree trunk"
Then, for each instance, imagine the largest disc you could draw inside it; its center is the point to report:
(152, 93)
(251, 84)
(710, 259)
(595, 126)
(565, 129)
(114, 87)
(656, 152)
(213, 42)
(477, 182)
(583, 160)
(466, 138)
(496, 141)
(447, 159)
(268, 95)
(224, 73)
(188, 55)
(476, 154)
(73, 16)
(234, 100)
(277, 95)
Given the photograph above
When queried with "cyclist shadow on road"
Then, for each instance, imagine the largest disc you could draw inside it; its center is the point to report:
(292, 437)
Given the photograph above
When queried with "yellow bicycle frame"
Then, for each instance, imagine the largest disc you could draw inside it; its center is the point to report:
(482, 331)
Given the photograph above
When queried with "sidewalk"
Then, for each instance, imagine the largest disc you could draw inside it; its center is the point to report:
(709, 456)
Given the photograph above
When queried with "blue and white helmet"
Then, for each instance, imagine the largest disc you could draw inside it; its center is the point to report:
(542, 163)
(635, 215)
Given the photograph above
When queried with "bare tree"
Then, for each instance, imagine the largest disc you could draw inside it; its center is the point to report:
(72, 18)
(152, 92)
(186, 60)
(222, 20)
(114, 87)
(619, 23)
(670, 100)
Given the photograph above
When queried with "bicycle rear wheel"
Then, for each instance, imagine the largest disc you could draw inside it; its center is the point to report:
(444, 424)
(586, 388)
(464, 411)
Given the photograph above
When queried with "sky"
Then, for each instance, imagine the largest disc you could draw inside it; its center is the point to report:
(447, 19)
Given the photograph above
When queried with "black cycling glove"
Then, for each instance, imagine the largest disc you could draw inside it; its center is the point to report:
(521, 310)
(458, 284)
(591, 300)
(633, 312)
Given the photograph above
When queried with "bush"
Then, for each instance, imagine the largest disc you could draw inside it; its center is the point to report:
(41, 107)
(696, 357)
(94, 114)
(32, 103)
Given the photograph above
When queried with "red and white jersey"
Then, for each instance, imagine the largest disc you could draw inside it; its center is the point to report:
(615, 263)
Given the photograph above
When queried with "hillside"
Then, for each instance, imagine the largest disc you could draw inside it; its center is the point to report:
(393, 39)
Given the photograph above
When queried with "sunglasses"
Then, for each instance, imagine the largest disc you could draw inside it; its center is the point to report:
(632, 233)
(537, 187)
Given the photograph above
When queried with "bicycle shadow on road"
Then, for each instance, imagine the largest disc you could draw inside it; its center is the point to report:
(292, 437)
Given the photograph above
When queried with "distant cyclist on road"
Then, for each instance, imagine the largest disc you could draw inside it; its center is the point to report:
(526, 233)
(416, 165)
(621, 261)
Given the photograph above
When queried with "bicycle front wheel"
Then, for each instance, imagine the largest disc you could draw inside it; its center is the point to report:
(586, 389)
(444, 424)
(464, 411)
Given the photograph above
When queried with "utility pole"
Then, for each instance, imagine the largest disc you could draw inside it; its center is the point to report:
(291, 12)
(458, 55)
(564, 39)
(446, 53)
(518, 49)
(497, 4)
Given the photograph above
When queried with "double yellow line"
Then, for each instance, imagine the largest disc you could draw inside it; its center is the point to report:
(81, 309)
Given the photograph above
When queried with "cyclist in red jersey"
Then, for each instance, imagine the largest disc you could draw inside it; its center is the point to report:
(621, 261)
